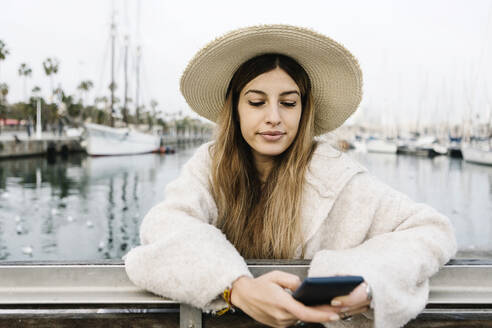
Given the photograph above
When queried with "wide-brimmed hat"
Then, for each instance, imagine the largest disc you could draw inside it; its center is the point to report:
(335, 75)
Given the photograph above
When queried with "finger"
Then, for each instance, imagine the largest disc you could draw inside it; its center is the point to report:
(353, 307)
(284, 279)
(326, 307)
(357, 311)
(310, 313)
(357, 296)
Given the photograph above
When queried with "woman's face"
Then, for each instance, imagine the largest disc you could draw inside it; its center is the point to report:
(269, 113)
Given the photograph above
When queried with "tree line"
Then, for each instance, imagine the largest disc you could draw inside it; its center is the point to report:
(76, 110)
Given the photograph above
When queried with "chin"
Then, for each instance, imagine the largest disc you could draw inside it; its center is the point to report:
(271, 150)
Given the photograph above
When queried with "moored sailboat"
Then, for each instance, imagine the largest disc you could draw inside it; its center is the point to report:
(103, 140)
(478, 155)
(381, 146)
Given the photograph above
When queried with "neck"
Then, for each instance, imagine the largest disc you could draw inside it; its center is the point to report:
(264, 165)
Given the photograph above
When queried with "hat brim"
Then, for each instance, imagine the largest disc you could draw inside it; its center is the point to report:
(335, 74)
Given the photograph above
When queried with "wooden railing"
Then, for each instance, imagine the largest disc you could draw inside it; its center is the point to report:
(100, 295)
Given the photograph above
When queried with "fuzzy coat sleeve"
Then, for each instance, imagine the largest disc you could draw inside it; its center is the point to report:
(405, 244)
(183, 256)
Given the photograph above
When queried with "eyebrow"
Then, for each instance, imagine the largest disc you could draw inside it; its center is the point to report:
(263, 93)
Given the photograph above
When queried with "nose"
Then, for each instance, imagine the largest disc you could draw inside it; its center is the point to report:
(273, 115)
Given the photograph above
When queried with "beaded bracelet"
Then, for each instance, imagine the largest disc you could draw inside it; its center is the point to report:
(227, 295)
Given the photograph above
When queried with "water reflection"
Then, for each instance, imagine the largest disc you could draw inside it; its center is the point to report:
(83, 208)
(490, 184)
(110, 219)
(80, 208)
(4, 253)
(460, 190)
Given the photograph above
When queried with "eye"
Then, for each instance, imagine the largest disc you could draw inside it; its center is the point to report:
(256, 103)
(289, 103)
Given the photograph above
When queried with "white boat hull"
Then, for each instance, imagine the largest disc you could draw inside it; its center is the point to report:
(360, 146)
(475, 155)
(381, 146)
(103, 141)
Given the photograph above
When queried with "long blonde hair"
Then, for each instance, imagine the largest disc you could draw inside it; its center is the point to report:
(261, 221)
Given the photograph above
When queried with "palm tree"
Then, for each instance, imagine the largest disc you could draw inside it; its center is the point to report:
(51, 66)
(4, 90)
(84, 87)
(24, 71)
(101, 105)
(35, 93)
(36, 90)
(101, 100)
(3, 51)
(153, 105)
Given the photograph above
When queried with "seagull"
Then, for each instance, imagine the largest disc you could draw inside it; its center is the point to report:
(27, 250)
(89, 224)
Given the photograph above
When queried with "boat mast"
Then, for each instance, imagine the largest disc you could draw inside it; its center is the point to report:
(112, 86)
(126, 40)
(137, 95)
(422, 99)
(125, 99)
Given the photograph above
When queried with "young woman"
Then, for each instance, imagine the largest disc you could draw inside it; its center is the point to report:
(267, 188)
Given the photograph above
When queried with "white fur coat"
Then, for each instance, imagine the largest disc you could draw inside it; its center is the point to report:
(353, 224)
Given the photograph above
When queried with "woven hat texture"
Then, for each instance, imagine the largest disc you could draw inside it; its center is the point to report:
(334, 72)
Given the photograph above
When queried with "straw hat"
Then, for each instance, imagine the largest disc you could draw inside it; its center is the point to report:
(335, 74)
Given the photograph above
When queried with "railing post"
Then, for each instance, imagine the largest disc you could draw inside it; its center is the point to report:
(189, 317)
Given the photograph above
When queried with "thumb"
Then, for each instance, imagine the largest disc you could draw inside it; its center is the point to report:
(284, 279)
(357, 296)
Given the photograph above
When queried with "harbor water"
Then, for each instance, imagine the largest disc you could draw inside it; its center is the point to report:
(89, 208)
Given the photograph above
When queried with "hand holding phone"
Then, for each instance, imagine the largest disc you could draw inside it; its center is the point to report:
(321, 290)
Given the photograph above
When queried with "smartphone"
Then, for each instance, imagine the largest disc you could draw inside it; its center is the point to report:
(321, 290)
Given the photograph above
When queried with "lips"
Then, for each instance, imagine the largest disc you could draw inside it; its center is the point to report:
(272, 136)
(272, 133)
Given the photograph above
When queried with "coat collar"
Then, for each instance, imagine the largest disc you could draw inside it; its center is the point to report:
(328, 173)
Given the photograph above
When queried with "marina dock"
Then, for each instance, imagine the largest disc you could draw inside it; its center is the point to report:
(20, 145)
(14, 146)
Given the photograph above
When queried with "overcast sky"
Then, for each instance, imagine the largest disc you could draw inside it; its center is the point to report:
(426, 59)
